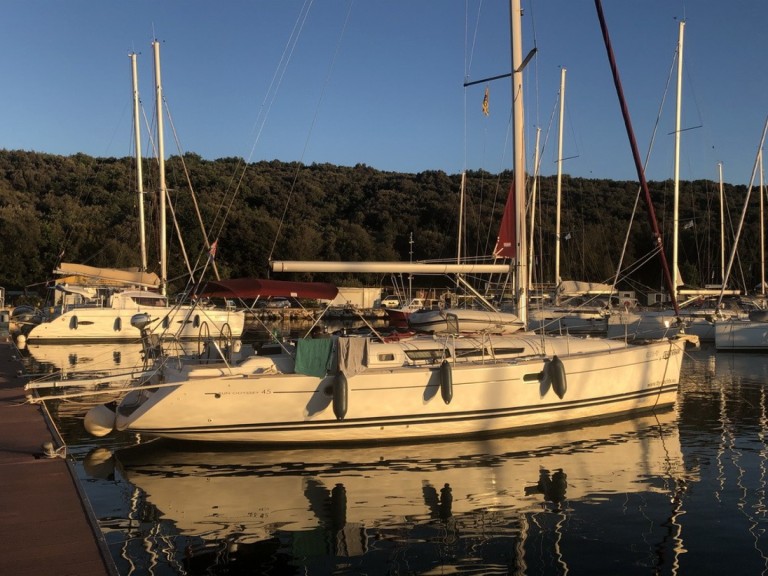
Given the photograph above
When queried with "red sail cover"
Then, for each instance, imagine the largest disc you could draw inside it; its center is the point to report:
(255, 288)
(505, 243)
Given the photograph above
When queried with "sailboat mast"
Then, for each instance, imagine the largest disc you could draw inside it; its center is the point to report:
(139, 169)
(676, 209)
(521, 251)
(762, 228)
(461, 216)
(534, 189)
(559, 176)
(161, 162)
(636, 156)
(743, 211)
(722, 226)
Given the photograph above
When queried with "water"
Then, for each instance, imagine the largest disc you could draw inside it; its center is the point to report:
(680, 492)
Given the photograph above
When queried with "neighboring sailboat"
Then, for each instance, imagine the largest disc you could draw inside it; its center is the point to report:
(368, 390)
(99, 302)
(473, 315)
(751, 333)
(643, 324)
(579, 308)
(485, 318)
(702, 310)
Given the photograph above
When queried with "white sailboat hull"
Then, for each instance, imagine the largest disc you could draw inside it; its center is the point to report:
(583, 321)
(101, 324)
(736, 334)
(643, 325)
(255, 404)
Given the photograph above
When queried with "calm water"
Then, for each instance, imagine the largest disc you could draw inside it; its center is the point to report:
(680, 492)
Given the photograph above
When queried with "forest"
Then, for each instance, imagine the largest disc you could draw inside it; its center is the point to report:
(86, 210)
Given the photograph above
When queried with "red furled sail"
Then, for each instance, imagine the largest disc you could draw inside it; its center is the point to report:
(505, 243)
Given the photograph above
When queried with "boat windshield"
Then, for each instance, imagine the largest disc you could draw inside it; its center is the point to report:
(149, 300)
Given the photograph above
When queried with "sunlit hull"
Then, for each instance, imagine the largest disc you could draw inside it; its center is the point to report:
(114, 325)
(261, 402)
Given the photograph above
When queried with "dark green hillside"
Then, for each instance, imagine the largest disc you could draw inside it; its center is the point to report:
(83, 209)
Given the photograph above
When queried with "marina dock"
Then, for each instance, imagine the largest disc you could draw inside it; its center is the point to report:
(46, 523)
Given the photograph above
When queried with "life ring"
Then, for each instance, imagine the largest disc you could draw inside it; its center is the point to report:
(556, 374)
(340, 395)
(446, 381)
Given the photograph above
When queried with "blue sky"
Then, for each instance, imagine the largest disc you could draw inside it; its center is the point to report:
(379, 82)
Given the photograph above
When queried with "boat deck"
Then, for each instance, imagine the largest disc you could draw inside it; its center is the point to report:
(46, 524)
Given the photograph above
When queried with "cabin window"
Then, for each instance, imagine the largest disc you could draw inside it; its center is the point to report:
(149, 301)
(196, 321)
(430, 355)
(389, 357)
(166, 322)
(473, 353)
(508, 351)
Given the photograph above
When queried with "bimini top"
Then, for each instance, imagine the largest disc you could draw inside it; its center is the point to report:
(255, 288)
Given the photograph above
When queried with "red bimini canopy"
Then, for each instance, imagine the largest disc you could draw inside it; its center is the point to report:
(255, 288)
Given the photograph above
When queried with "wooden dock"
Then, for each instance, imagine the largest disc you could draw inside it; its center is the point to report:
(46, 524)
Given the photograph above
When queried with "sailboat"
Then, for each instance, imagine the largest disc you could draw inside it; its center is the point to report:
(483, 318)
(659, 323)
(475, 314)
(368, 389)
(750, 333)
(579, 308)
(701, 310)
(98, 303)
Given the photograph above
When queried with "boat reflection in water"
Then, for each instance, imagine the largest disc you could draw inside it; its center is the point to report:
(100, 365)
(539, 503)
(86, 358)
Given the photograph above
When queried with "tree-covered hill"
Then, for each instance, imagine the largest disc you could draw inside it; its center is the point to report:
(85, 210)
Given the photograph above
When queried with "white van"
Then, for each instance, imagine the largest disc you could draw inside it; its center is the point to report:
(390, 302)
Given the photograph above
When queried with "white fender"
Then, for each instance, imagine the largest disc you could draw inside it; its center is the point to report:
(100, 420)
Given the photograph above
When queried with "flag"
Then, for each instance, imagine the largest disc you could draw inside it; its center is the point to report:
(212, 251)
(485, 102)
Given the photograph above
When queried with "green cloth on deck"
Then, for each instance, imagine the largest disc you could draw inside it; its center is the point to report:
(313, 356)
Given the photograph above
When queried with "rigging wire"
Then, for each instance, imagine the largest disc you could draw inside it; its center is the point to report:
(235, 185)
(193, 196)
(645, 166)
(312, 125)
